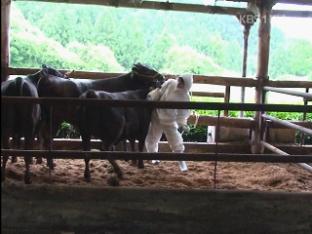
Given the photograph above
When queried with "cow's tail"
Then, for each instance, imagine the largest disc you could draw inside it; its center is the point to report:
(20, 86)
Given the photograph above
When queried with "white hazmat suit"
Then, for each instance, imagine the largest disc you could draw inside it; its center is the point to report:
(168, 121)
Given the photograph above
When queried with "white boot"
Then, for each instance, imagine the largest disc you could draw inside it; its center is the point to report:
(155, 162)
(183, 166)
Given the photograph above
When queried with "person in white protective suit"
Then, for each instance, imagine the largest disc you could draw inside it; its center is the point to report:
(170, 121)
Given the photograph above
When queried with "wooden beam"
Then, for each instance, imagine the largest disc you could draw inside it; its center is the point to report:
(297, 2)
(223, 121)
(215, 80)
(5, 38)
(290, 13)
(200, 79)
(208, 94)
(154, 5)
(263, 64)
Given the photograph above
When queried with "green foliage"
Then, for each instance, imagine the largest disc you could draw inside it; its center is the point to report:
(187, 60)
(67, 131)
(96, 57)
(196, 134)
(31, 48)
(210, 43)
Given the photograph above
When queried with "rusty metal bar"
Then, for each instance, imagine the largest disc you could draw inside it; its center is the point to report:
(120, 155)
(164, 105)
(288, 124)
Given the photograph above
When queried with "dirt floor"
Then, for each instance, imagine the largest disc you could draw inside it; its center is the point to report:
(231, 176)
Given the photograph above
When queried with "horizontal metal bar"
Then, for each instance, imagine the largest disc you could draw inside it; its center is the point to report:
(120, 155)
(288, 124)
(306, 96)
(164, 105)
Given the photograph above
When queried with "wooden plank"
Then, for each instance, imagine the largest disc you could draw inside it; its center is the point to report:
(208, 94)
(5, 38)
(214, 80)
(200, 79)
(223, 121)
(58, 209)
(226, 81)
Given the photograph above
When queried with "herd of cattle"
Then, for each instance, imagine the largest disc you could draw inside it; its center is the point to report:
(110, 124)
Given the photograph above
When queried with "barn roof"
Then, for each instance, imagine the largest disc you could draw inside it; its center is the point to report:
(225, 7)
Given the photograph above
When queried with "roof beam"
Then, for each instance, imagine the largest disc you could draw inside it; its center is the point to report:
(288, 13)
(183, 7)
(297, 2)
(153, 5)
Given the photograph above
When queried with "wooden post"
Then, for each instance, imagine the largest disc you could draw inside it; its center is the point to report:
(265, 8)
(227, 98)
(247, 21)
(244, 72)
(5, 41)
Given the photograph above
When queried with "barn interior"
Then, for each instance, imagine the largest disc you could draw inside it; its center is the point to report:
(261, 181)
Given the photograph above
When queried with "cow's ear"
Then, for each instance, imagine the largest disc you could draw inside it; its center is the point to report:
(44, 72)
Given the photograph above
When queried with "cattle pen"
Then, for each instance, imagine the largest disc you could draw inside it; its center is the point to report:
(69, 209)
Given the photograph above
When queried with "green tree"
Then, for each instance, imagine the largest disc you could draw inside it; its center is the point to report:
(187, 60)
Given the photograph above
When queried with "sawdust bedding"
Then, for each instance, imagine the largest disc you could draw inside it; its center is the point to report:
(229, 176)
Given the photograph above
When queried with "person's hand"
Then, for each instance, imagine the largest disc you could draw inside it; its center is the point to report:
(184, 128)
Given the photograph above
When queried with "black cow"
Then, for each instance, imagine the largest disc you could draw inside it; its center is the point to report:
(113, 124)
(21, 120)
(140, 77)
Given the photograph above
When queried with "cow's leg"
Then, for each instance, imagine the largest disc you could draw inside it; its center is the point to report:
(45, 144)
(116, 168)
(114, 164)
(40, 142)
(5, 145)
(86, 145)
(28, 146)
